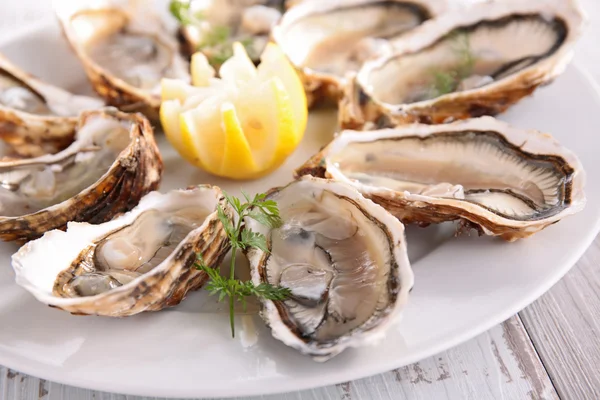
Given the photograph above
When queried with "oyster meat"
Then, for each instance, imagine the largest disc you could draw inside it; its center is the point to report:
(223, 22)
(344, 260)
(35, 117)
(498, 179)
(125, 50)
(465, 64)
(113, 162)
(326, 40)
(140, 261)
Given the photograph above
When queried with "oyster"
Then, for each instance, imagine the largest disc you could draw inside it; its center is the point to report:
(465, 64)
(113, 162)
(327, 39)
(36, 118)
(495, 178)
(343, 258)
(140, 261)
(223, 22)
(125, 50)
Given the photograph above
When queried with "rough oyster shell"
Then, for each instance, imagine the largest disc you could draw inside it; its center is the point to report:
(465, 64)
(36, 118)
(344, 259)
(95, 269)
(125, 50)
(327, 39)
(113, 162)
(498, 179)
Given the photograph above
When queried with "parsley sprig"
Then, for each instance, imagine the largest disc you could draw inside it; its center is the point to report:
(265, 212)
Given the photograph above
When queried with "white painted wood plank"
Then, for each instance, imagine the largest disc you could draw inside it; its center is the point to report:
(565, 327)
(499, 364)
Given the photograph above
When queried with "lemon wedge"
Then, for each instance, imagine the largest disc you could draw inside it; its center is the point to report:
(201, 71)
(242, 125)
(275, 63)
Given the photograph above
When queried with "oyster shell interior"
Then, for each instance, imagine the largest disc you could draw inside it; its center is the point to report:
(22, 92)
(130, 251)
(466, 58)
(471, 166)
(126, 43)
(331, 263)
(339, 37)
(140, 261)
(341, 261)
(30, 185)
(17, 95)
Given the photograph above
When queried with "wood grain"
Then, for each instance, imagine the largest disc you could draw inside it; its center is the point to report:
(499, 364)
(565, 327)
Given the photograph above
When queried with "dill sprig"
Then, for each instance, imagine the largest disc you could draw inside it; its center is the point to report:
(216, 41)
(445, 82)
(263, 211)
(181, 10)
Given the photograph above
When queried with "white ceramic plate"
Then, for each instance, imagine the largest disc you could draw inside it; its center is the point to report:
(464, 285)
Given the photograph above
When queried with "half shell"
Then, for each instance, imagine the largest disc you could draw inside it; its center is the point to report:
(36, 118)
(498, 179)
(125, 50)
(326, 40)
(141, 261)
(345, 262)
(113, 162)
(465, 64)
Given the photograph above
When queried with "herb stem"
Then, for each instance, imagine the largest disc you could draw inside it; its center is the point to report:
(265, 212)
(231, 298)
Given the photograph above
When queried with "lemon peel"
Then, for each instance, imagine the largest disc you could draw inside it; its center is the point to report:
(242, 125)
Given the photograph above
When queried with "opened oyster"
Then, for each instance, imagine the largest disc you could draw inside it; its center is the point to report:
(36, 118)
(125, 50)
(113, 162)
(466, 64)
(141, 261)
(327, 39)
(343, 258)
(500, 180)
(214, 25)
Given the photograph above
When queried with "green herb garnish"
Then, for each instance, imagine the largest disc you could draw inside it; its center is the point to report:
(265, 212)
(180, 9)
(216, 42)
(219, 57)
(445, 82)
(218, 35)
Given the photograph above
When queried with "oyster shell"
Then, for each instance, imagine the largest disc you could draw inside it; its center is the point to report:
(498, 179)
(125, 50)
(327, 39)
(345, 261)
(36, 118)
(113, 162)
(248, 21)
(140, 261)
(465, 64)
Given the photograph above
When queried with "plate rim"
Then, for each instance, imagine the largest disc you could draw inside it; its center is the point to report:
(53, 374)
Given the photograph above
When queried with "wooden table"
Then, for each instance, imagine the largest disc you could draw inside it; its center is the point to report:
(550, 350)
